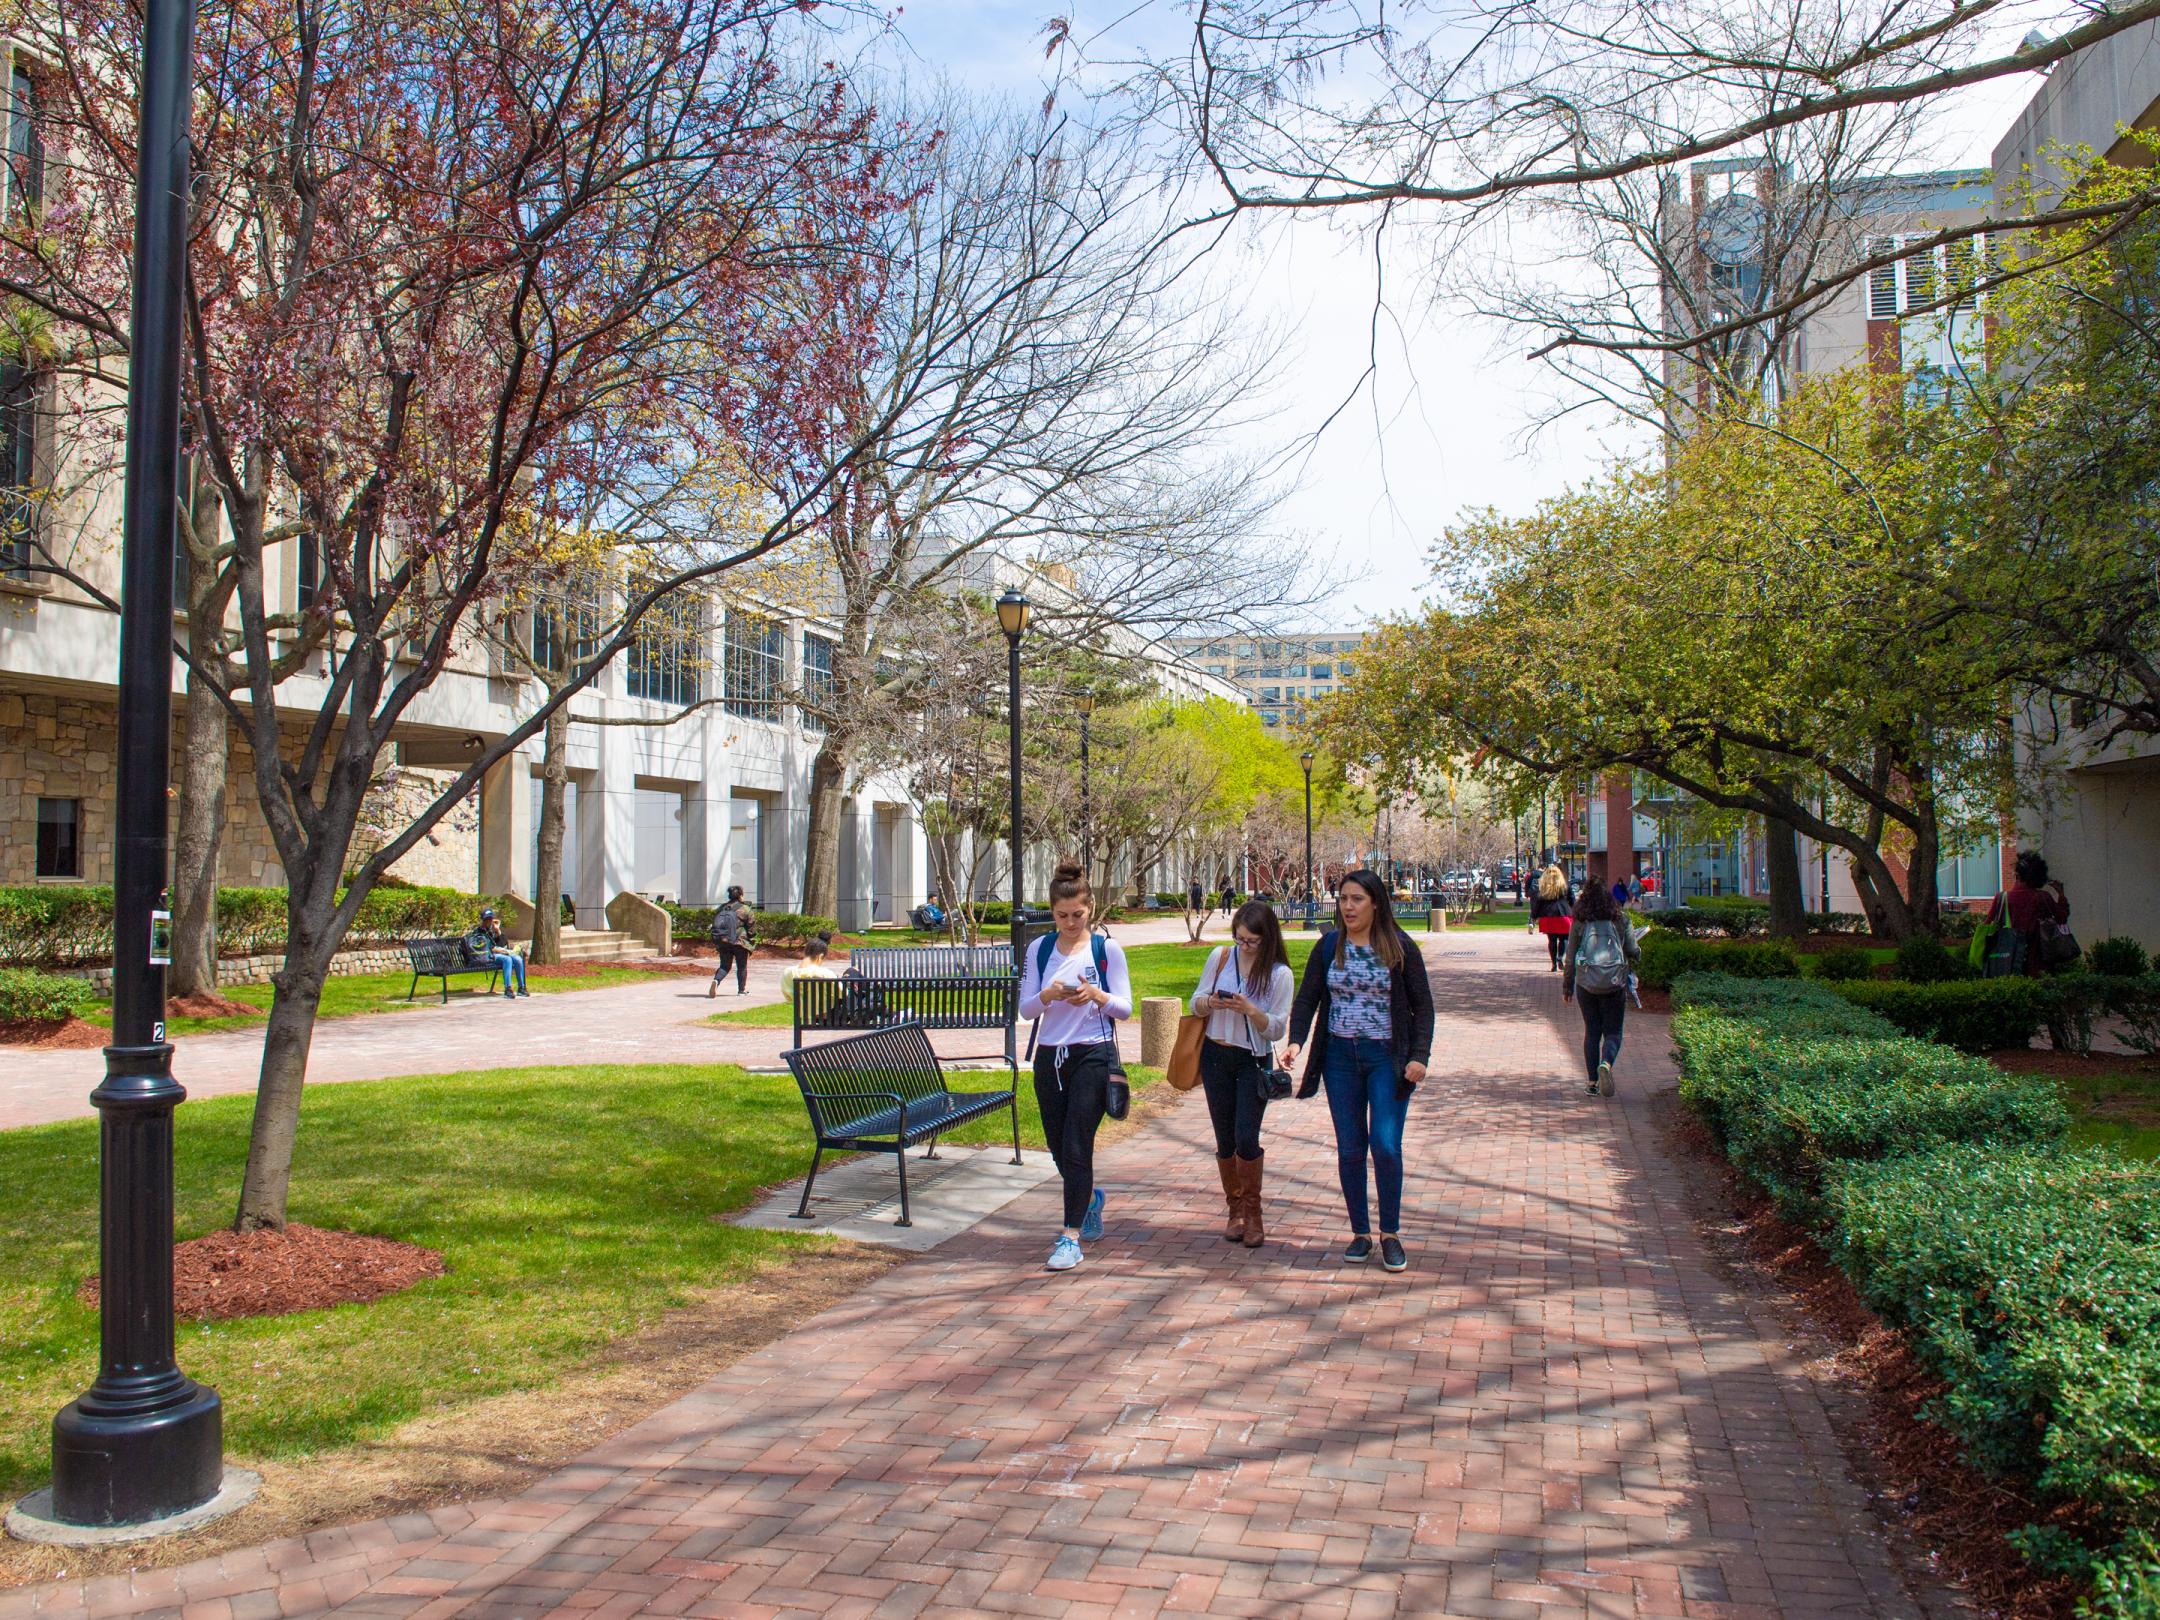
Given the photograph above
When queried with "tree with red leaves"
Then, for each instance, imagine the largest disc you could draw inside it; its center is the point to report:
(456, 274)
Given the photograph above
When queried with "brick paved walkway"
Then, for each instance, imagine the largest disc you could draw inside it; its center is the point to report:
(1559, 1411)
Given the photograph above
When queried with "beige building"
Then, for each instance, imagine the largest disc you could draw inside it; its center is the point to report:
(1277, 675)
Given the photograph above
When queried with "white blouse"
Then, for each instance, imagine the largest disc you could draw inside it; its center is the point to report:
(1220, 977)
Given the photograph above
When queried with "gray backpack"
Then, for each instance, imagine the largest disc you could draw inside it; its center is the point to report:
(1601, 959)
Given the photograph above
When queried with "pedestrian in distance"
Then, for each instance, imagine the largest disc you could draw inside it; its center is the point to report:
(1366, 1004)
(488, 942)
(2031, 922)
(1552, 907)
(733, 933)
(1244, 993)
(1600, 963)
(1075, 983)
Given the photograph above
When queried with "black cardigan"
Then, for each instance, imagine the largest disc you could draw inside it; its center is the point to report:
(1410, 1006)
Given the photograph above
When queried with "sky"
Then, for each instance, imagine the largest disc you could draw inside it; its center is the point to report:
(1450, 419)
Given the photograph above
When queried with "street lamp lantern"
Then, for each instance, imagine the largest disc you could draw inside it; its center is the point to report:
(1012, 612)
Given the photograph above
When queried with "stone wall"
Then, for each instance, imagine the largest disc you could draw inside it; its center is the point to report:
(59, 747)
(257, 969)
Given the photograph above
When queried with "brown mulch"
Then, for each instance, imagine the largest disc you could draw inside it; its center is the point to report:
(303, 1268)
(52, 1032)
(1954, 1518)
(2070, 1066)
(206, 1004)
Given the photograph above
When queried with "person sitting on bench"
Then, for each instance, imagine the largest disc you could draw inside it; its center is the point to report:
(816, 963)
(488, 942)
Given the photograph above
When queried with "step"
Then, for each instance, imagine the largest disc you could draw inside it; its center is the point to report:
(600, 945)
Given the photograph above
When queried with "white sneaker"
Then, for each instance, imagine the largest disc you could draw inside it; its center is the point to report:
(1604, 1079)
(1064, 1254)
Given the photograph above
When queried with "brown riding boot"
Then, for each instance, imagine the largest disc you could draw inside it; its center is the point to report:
(1248, 1174)
(1227, 1169)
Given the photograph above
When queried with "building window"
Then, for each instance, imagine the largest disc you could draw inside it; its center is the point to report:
(663, 664)
(59, 838)
(26, 148)
(818, 683)
(565, 627)
(1344, 669)
(1915, 282)
(19, 390)
(1270, 694)
(756, 667)
(1323, 672)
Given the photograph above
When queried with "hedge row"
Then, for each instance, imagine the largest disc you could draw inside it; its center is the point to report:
(1743, 917)
(70, 926)
(770, 927)
(2020, 1270)
(47, 997)
(1666, 956)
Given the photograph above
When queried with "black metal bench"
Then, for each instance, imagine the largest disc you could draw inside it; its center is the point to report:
(439, 958)
(882, 1092)
(978, 1001)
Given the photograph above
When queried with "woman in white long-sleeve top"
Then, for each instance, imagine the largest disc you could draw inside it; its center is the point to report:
(1077, 985)
(1245, 993)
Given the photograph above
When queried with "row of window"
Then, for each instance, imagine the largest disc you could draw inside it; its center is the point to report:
(1918, 282)
(1278, 650)
(666, 661)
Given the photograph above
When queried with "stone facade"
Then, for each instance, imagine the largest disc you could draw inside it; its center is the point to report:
(257, 969)
(64, 747)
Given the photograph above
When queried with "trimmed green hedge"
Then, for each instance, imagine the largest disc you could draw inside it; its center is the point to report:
(786, 928)
(53, 925)
(1666, 956)
(2025, 1280)
(47, 997)
(2021, 1272)
(1973, 1015)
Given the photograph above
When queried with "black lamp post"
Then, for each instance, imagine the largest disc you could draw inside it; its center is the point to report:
(1312, 894)
(1012, 612)
(1086, 701)
(145, 1441)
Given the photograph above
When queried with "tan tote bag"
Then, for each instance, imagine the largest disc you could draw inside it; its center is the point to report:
(1185, 1053)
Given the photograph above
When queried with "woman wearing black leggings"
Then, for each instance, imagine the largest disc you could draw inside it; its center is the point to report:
(1600, 962)
(1245, 993)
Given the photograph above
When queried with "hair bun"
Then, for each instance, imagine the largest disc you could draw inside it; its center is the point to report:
(1068, 872)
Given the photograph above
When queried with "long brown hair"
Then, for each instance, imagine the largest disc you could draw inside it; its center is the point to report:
(1386, 933)
(1258, 917)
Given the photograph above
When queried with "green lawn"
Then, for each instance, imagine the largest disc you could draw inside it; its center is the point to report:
(2121, 1110)
(571, 1203)
(350, 994)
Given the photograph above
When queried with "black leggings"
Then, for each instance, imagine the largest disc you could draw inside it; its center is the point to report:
(1556, 947)
(1073, 1095)
(1603, 1014)
(741, 955)
(1234, 1104)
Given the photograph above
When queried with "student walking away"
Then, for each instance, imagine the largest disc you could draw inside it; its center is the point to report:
(1551, 910)
(489, 943)
(1599, 966)
(1367, 1006)
(2031, 922)
(1196, 898)
(1244, 994)
(1075, 983)
(733, 933)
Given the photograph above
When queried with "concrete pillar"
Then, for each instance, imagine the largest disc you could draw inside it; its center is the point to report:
(606, 827)
(708, 817)
(506, 828)
(1159, 1017)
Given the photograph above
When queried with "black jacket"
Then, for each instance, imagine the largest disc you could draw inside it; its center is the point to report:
(1410, 1006)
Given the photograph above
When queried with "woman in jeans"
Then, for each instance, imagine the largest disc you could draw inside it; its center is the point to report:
(1599, 925)
(1245, 991)
(1368, 1007)
(1078, 987)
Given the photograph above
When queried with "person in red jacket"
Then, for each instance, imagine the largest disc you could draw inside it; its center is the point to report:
(2032, 907)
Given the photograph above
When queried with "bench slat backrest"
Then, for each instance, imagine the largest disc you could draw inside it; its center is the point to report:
(930, 961)
(974, 1003)
(833, 1076)
(434, 955)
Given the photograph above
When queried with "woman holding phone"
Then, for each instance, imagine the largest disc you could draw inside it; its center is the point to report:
(1244, 993)
(1368, 1006)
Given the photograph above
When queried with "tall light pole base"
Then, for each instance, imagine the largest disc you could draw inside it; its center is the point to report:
(32, 1519)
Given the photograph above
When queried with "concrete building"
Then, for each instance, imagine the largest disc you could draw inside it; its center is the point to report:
(1277, 675)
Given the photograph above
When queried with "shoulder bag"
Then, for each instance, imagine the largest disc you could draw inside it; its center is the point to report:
(1184, 1070)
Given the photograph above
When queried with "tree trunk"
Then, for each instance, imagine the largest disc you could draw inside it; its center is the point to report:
(298, 988)
(1781, 852)
(547, 880)
(821, 859)
(196, 839)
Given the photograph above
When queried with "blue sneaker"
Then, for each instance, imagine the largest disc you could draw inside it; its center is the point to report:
(1064, 1254)
(1091, 1227)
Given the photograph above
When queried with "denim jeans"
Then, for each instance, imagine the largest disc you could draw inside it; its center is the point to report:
(1365, 1100)
(511, 964)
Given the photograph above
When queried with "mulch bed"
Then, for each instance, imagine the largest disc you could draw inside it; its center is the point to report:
(204, 1004)
(52, 1032)
(1957, 1519)
(303, 1268)
(2069, 1066)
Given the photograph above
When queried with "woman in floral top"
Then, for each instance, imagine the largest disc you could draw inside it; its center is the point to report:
(1365, 987)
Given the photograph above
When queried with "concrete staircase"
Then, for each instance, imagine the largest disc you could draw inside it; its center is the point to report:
(601, 945)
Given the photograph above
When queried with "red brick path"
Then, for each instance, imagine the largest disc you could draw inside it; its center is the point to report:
(1558, 1411)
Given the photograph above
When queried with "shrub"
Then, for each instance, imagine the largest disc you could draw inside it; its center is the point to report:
(2024, 1281)
(46, 997)
(1665, 957)
(2118, 957)
(1958, 922)
(1846, 962)
(1973, 1015)
(692, 923)
(1838, 922)
(1737, 916)
(791, 927)
(1928, 961)
(1791, 1006)
(1791, 1107)
(51, 926)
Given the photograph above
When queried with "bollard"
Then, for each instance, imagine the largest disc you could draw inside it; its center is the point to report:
(1158, 1028)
